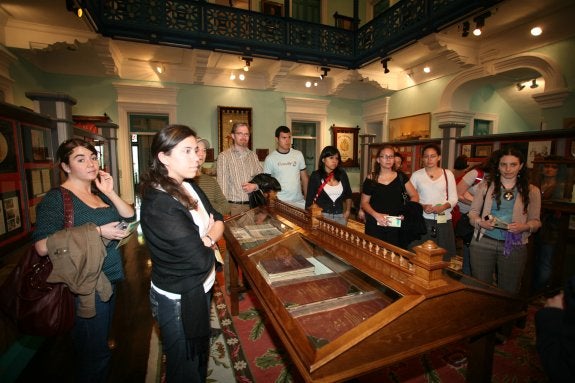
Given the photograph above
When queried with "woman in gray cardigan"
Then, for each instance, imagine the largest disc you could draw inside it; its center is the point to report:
(505, 212)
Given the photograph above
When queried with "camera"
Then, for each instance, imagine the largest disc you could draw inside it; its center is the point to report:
(123, 225)
(497, 223)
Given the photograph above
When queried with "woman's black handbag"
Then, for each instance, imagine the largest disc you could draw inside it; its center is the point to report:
(463, 229)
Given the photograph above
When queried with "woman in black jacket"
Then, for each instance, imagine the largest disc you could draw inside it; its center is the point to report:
(181, 228)
(329, 188)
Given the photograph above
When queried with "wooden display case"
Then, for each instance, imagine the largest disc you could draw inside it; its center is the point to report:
(346, 304)
(27, 142)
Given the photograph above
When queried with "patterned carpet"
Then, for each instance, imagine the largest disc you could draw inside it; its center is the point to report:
(247, 350)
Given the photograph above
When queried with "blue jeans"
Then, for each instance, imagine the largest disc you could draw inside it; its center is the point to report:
(90, 337)
(466, 268)
(543, 266)
(339, 218)
(168, 313)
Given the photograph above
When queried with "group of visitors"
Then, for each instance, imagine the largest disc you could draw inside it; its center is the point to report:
(183, 209)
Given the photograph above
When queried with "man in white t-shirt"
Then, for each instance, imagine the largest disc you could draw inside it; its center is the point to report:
(287, 165)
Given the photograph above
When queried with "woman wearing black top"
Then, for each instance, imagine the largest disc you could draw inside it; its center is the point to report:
(181, 228)
(382, 197)
(329, 187)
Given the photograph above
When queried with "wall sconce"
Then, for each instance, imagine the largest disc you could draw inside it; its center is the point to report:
(465, 29)
(248, 61)
(73, 6)
(534, 84)
(324, 74)
(384, 62)
(519, 86)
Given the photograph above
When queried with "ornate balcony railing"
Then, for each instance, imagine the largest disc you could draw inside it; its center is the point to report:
(202, 25)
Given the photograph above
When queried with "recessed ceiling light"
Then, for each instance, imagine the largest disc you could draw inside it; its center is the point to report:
(536, 31)
(308, 84)
(427, 69)
(242, 77)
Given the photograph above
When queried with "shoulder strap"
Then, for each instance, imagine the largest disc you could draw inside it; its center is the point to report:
(446, 185)
(329, 177)
(68, 207)
(403, 190)
(480, 175)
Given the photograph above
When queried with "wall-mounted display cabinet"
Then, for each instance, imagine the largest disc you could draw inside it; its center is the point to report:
(345, 304)
(27, 146)
(534, 145)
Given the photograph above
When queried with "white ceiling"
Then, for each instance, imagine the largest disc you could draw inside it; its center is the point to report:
(56, 41)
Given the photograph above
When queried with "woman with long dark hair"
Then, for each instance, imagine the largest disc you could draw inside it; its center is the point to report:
(505, 211)
(329, 187)
(382, 198)
(94, 201)
(438, 196)
(181, 228)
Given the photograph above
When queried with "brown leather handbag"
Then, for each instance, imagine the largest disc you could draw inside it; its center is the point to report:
(36, 306)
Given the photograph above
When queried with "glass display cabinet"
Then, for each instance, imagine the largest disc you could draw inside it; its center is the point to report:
(345, 304)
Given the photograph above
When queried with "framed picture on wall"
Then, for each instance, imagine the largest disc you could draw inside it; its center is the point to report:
(7, 146)
(346, 141)
(227, 117)
(272, 8)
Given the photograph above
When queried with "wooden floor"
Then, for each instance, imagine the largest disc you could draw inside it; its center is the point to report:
(132, 325)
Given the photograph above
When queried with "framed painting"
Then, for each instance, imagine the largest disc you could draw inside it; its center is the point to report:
(346, 141)
(481, 151)
(537, 150)
(272, 8)
(227, 117)
(410, 127)
(7, 148)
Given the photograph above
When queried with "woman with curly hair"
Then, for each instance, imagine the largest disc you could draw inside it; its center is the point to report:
(505, 212)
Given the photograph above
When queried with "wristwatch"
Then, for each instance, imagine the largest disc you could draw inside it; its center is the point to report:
(212, 242)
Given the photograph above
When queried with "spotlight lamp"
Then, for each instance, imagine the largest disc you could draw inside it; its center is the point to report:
(480, 23)
(324, 74)
(74, 6)
(248, 61)
(519, 86)
(384, 62)
(534, 84)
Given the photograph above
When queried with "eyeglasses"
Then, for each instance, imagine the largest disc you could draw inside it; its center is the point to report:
(387, 157)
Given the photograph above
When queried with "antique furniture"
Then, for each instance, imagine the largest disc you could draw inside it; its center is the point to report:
(345, 304)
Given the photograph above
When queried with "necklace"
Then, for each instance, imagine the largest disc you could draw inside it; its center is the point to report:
(508, 195)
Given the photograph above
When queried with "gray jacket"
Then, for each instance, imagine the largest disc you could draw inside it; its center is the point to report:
(77, 256)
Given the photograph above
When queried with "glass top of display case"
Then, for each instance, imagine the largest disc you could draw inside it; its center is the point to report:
(325, 295)
(256, 227)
